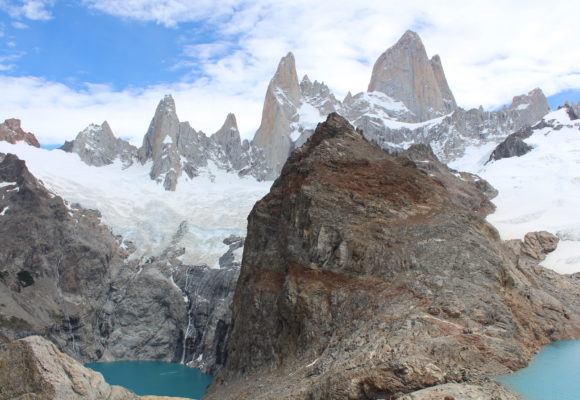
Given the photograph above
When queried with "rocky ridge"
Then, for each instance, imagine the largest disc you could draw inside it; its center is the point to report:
(369, 276)
(408, 101)
(173, 148)
(64, 276)
(97, 145)
(12, 132)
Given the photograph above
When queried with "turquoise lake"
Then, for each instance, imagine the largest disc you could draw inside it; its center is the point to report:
(553, 374)
(155, 378)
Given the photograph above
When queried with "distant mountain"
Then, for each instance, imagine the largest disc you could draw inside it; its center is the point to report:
(408, 101)
(172, 148)
(11, 132)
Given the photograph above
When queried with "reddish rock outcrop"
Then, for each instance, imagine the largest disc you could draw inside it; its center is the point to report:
(12, 132)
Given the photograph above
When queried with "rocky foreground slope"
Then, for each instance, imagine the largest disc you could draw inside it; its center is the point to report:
(34, 369)
(368, 276)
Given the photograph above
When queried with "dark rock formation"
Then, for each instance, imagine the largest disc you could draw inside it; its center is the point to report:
(64, 276)
(513, 145)
(366, 276)
(12, 132)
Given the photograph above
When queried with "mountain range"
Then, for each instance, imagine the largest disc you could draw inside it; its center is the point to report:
(116, 252)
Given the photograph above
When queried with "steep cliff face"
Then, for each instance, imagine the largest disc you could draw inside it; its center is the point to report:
(64, 276)
(368, 276)
(280, 105)
(405, 73)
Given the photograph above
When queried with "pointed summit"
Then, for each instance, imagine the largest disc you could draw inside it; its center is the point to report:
(163, 124)
(283, 98)
(405, 73)
(160, 144)
(286, 78)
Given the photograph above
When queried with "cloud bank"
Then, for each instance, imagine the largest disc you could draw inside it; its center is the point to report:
(490, 51)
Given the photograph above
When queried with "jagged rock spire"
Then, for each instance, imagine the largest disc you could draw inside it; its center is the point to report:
(228, 139)
(280, 106)
(405, 73)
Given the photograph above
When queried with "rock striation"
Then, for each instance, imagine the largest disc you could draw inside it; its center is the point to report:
(97, 145)
(12, 132)
(64, 276)
(406, 74)
(367, 275)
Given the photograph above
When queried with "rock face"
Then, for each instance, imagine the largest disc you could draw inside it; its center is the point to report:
(175, 148)
(34, 369)
(280, 110)
(369, 276)
(405, 73)
(452, 391)
(97, 145)
(12, 132)
(513, 145)
(451, 135)
(64, 276)
(290, 113)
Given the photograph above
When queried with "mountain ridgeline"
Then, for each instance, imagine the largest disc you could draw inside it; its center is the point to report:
(408, 101)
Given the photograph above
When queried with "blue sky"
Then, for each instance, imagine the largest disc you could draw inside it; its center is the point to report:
(65, 63)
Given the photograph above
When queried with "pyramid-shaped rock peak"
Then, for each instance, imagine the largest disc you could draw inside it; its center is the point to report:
(97, 145)
(406, 74)
(228, 130)
(162, 129)
(12, 132)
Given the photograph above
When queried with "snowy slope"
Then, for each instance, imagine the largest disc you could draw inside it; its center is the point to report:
(539, 190)
(214, 205)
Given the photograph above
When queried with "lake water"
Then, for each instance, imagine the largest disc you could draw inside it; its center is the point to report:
(553, 374)
(155, 378)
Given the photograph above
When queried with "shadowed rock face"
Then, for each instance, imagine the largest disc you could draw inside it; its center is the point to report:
(368, 276)
(11, 132)
(405, 73)
(64, 276)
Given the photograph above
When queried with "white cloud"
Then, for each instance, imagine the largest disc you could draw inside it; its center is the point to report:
(55, 112)
(19, 25)
(31, 9)
(166, 12)
(490, 51)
